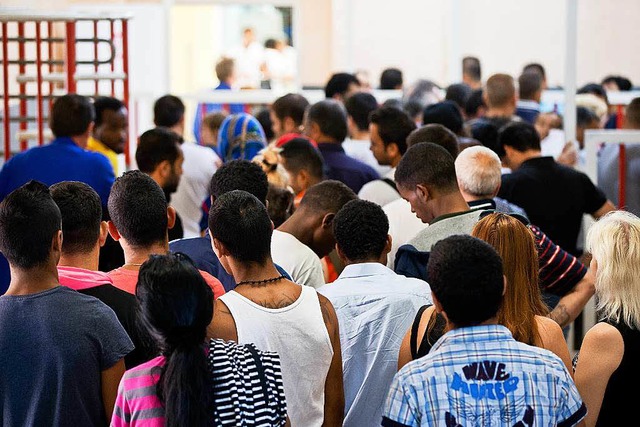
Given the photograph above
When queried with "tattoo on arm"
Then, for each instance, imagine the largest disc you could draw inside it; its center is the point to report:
(326, 312)
(560, 315)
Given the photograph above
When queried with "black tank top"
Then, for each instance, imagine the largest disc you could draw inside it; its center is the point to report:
(430, 336)
(620, 396)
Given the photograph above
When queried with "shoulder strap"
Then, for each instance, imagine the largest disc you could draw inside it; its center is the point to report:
(260, 369)
(391, 183)
(414, 331)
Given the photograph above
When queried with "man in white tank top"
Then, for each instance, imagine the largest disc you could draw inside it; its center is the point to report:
(276, 314)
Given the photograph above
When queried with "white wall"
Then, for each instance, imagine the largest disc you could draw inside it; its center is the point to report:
(419, 36)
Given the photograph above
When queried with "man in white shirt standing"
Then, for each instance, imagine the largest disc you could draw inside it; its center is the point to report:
(249, 58)
(389, 130)
(374, 306)
(200, 163)
(307, 235)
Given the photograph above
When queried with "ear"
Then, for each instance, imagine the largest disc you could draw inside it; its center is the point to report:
(104, 232)
(327, 220)
(423, 192)
(56, 242)
(218, 247)
(436, 303)
(388, 245)
(392, 150)
(289, 125)
(495, 193)
(341, 255)
(303, 178)
(113, 231)
(164, 168)
(171, 217)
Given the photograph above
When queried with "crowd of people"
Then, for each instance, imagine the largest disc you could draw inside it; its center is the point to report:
(339, 263)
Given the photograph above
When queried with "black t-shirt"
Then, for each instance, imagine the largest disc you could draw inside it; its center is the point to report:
(123, 305)
(554, 197)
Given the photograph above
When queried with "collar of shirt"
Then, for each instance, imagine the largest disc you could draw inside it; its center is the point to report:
(473, 334)
(65, 140)
(482, 204)
(223, 86)
(542, 161)
(365, 269)
(450, 215)
(331, 147)
(528, 104)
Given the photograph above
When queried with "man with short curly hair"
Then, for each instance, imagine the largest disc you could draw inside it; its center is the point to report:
(374, 305)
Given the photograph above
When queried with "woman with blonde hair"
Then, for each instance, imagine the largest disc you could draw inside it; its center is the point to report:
(523, 312)
(607, 370)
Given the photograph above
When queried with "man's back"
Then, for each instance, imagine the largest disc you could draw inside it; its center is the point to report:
(200, 163)
(481, 376)
(346, 169)
(61, 160)
(55, 344)
(297, 332)
(554, 196)
(411, 259)
(375, 307)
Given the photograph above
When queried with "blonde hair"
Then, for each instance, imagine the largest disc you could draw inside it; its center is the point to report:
(522, 301)
(269, 160)
(614, 243)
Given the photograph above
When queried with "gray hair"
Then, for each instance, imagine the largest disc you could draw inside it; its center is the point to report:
(478, 170)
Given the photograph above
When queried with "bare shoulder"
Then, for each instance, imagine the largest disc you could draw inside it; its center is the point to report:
(603, 343)
(328, 312)
(222, 325)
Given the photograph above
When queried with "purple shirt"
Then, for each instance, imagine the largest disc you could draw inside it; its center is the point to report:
(341, 167)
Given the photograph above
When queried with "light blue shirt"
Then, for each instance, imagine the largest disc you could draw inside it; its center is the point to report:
(480, 375)
(375, 309)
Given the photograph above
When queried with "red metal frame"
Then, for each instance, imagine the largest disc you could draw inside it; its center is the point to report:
(39, 83)
(5, 83)
(125, 89)
(71, 56)
(96, 67)
(23, 101)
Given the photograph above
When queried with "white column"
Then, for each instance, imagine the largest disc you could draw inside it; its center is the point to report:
(570, 69)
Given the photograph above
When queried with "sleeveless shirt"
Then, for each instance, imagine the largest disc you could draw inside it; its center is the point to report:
(299, 335)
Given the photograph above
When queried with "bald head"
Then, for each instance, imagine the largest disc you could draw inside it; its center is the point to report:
(500, 91)
(478, 170)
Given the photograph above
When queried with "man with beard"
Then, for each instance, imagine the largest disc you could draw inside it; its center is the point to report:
(159, 155)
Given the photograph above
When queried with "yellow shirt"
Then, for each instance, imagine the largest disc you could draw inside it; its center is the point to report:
(99, 147)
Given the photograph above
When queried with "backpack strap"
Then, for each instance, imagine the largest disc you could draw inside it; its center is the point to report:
(391, 183)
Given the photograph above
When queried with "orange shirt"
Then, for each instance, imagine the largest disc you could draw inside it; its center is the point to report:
(126, 280)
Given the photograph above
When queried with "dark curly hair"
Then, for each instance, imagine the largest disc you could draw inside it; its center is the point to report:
(361, 229)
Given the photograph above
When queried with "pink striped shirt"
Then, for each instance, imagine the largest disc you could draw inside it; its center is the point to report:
(137, 403)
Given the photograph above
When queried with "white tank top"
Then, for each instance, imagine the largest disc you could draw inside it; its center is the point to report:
(298, 334)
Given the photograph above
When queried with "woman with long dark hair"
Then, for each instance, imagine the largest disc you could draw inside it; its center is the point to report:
(194, 383)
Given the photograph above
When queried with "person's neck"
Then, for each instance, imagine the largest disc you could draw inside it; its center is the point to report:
(253, 272)
(382, 259)
(300, 226)
(395, 162)
(84, 260)
(178, 129)
(81, 140)
(135, 256)
(360, 135)
(327, 140)
(449, 204)
(492, 321)
(506, 111)
(517, 158)
(32, 281)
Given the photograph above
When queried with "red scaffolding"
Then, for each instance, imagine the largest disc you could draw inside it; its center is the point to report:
(41, 60)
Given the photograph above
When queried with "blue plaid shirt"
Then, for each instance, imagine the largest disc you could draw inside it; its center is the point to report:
(481, 376)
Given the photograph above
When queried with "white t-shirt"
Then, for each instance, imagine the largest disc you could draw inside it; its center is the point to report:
(200, 163)
(359, 149)
(248, 62)
(297, 259)
(404, 225)
(378, 191)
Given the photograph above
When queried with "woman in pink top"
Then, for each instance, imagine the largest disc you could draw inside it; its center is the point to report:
(194, 383)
